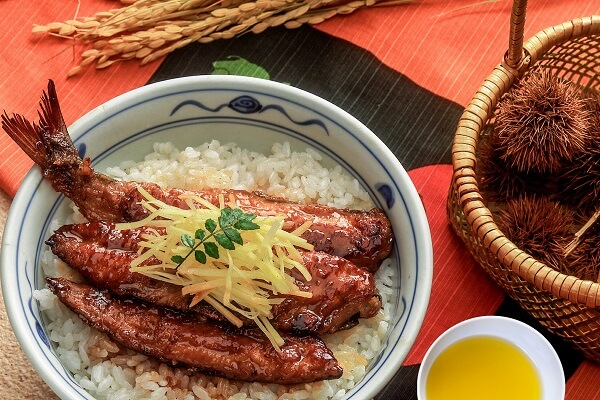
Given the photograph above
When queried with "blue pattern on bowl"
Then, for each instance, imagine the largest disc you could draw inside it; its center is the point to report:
(31, 303)
(386, 191)
(246, 104)
(81, 150)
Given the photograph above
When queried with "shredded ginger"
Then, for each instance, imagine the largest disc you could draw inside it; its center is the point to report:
(241, 281)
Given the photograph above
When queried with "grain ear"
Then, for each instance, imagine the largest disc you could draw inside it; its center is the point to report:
(147, 30)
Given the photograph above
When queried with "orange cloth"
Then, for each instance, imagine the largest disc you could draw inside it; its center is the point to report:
(449, 46)
(457, 279)
(27, 61)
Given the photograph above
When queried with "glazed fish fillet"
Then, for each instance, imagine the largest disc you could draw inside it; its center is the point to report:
(208, 346)
(103, 255)
(363, 237)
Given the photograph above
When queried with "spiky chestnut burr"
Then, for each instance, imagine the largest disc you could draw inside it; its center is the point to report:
(578, 182)
(540, 123)
(500, 183)
(539, 226)
(584, 261)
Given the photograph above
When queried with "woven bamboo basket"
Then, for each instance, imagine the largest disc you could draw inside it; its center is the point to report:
(564, 304)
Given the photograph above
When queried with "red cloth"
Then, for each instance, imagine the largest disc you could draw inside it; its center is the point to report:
(27, 61)
(457, 279)
(449, 47)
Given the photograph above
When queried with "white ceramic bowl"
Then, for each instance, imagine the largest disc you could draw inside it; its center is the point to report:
(530, 341)
(253, 113)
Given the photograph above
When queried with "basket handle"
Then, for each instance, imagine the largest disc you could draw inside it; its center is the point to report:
(514, 56)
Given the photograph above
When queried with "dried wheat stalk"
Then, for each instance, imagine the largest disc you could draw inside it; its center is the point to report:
(149, 29)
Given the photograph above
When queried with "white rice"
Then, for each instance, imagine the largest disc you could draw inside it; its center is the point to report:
(109, 371)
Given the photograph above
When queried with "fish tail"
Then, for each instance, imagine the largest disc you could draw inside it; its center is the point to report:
(26, 134)
(47, 142)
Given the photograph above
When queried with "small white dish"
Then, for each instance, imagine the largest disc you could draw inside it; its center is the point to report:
(528, 340)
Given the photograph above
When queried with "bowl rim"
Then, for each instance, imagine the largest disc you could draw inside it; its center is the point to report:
(413, 204)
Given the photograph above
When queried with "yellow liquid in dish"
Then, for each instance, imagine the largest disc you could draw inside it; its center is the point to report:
(483, 367)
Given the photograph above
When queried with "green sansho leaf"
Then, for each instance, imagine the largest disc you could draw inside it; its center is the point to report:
(187, 240)
(210, 225)
(233, 235)
(235, 65)
(246, 225)
(224, 241)
(200, 256)
(225, 234)
(177, 259)
(211, 249)
(227, 217)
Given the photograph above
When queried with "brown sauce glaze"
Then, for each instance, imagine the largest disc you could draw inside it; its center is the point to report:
(102, 255)
(209, 346)
(363, 237)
